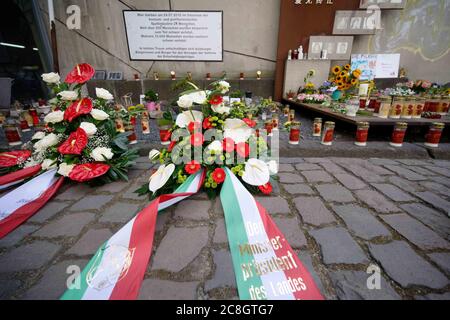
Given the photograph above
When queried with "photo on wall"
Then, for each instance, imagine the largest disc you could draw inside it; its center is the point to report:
(336, 47)
(383, 4)
(354, 22)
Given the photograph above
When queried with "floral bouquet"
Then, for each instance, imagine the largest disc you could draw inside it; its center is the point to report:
(309, 87)
(343, 78)
(212, 136)
(311, 98)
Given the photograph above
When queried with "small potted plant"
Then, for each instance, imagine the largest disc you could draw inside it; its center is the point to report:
(152, 104)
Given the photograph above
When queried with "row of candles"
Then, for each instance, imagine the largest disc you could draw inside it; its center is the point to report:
(189, 76)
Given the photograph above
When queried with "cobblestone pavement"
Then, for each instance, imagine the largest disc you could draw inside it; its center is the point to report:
(340, 215)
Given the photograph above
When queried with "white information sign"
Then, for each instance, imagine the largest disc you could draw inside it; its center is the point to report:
(174, 35)
(379, 66)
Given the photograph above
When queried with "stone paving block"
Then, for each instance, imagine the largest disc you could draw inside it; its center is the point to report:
(179, 247)
(393, 192)
(91, 203)
(350, 182)
(130, 192)
(413, 162)
(376, 201)
(335, 193)
(433, 219)
(415, 232)
(333, 168)
(67, 226)
(441, 163)
(434, 296)
(290, 178)
(338, 246)
(218, 209)
(291, 160)
(436, 188)
(146, 166)
(156, 289)
(317, 176)
(404, 266)
(27, 257)
(274, 204)
(90, 242)
(361, 222)
(442, 180)
(193, 210)
(307, 167)
(352, 285)
(49, 211)
(317, 160)
(306, 260)
(286, 167)
(313, 211)
(406, 173)
(382, 162)
(405, 184)
(442, 259)
(422, 171)
(299, 189)
(17, 235)
(377, 169)
(441, 171)
(161, 220)
(114, 187)
(290, 228)
(364, 174)
(52, 285)
(120, 212)
(8, 287)
(220, 232)
(224, 274)
(435, 201)
(75, 192)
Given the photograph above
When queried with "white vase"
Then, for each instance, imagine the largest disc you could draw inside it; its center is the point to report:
(351, 110)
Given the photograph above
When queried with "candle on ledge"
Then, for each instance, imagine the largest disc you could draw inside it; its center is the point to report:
(208, 76)
(173, 75)
(363, 89)
(241, 76)
(258, 75)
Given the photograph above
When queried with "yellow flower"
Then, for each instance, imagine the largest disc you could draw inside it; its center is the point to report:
(309, 85)
(336, 70)
(343, 73)
(357, 73)
(354, 81)
(339, 79)
(347, 67)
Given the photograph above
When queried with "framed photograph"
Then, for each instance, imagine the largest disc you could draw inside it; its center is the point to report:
(100, 75)
(354, 22)
(383, 4)
(337, 47)
(115, 75)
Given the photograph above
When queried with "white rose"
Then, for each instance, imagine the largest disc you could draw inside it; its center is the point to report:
(185, 102)
(51, 77)
(100, 153)
(38, 135)
(46, 142)
(89, 128)
(198, 97)
(99, 114)
(154, 154)
(103, 94)
(65, 169)
(54, 117)
(224, 87)
(68, 95)
(48, 164)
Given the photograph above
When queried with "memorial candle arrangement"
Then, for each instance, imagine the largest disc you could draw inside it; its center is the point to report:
(294, 134)
(173, 75)
(317, 127)
(397, 108)
(398, 135)
(12, 135)
(434, 135)
(362, 133)
(145, 124)
(328, 133)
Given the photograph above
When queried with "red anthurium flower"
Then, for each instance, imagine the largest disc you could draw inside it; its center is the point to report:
(218, 175)
(243, 149)
(266, 188)
(207, 124)
(194, 126)
(171, 146)
(192, 167)
(78, 108)
(249, 122)
(13, 158)
(215, 100)
(88, 171)
(80, 74)
(75, 144)
(197, 139)
(228, 145)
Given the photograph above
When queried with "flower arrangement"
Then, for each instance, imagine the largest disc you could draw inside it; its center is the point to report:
(219, 136)
(344, 78)
(80, 139)
(309, 87)
(311, 98)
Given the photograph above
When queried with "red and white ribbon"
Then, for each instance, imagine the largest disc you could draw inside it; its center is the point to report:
(17, 177)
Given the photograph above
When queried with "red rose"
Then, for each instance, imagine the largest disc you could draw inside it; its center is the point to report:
(75, 144)
(171, 146)
(78, 108)
(215, 100)
(88, 171)
(266, 189)
(218, 175)
(197, 139)
(228, 145)
(194, 126)
(13, 158)
(250, 123)
(192, 167)
(243, 149)
(80, 74)
(207, 124)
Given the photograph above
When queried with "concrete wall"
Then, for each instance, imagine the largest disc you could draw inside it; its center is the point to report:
(250, 37)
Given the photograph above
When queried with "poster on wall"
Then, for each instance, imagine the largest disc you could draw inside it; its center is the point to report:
(337, 47)
(367, 63)
(174, 35)
(354, 22)
(383, 4)
(377, 66)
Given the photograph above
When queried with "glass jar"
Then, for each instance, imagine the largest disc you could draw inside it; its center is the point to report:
(132, 138)
(286, 111)
(24, 127)
(145, 124)
(408, 107)
(362, 102)
(275, 121)
(397, 108)
(433, 103)
(426, 106)
(328, 133)
(268, 125)
(291, 115)
(385, 107)
(12, 135)
(27, 116)
(165, 134)
(35, 116)
(398, 135)
(362, 133)
(434, 135)
(317, 128)
(294, 135)
(443, 105)
(119, 125)
(419, 108)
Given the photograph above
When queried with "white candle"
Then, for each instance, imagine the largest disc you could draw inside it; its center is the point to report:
(51, 11)
(363, 89)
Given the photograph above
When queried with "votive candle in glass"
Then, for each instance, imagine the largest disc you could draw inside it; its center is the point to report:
(385, 107)
(434, 135)
(268, 125)
(408, 107)
(362, 133)
(12, 135)
(317, 127)
(419, 108)
(328, 133)
(294, 134)
(398, 135)
(397, 108)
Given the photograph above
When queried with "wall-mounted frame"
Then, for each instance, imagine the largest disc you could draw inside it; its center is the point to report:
(383, 4)
(354, 22)
(100, 75)
(337, 47)
(115, 75)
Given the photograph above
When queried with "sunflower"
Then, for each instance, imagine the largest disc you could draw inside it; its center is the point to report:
(336, 70)
(339, 79)
(341, 87)
(339, 83)
(357, 73)
(343, 73)
(354, 81)
(347, 67)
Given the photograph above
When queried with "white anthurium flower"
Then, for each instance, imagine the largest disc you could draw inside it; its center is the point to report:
(237, 130)
(221, 109)
(154, 154)
(256, 173)
(38, 135)
(224, 86)
(89, 128)
(48, 164)
(68, 95)
(198, 97)
(160, 177)
(99, 115)
(52, 78)
(65, 169)
(185, 102)
(186, 117)
(54, 117)
(103, 94)
(46, 142)
(273, 167)
(216, 146)
(99, 154)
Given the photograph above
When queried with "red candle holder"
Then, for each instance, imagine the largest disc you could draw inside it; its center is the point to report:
(165, 135)
(241, 76)
(398, 135)
(208, 76)
(12, 135)
(294, 135)
(434, 135)
(362, 133)
(269, 127)
(328, 133)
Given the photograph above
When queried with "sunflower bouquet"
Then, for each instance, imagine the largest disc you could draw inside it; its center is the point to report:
(344, 78)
